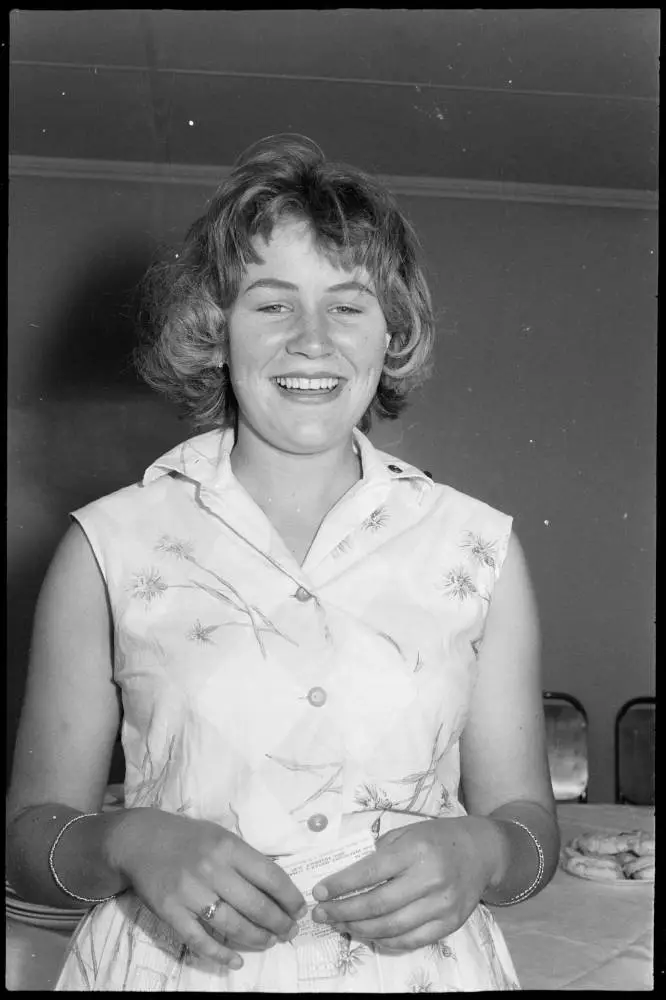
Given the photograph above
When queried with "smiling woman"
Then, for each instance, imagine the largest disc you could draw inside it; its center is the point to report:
(310, 637)
(296, 330)
(357, 228)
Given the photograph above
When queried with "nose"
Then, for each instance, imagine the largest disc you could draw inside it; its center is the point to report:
(310, 336)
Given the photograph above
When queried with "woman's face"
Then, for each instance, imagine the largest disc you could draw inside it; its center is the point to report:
(306, 344)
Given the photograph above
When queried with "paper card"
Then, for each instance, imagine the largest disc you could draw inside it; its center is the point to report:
(306, 869)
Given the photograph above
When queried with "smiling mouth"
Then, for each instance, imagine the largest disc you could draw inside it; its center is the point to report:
(306, 385)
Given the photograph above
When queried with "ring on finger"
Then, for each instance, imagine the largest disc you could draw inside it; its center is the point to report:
(208, 912)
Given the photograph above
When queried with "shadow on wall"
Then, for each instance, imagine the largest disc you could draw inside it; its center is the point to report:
(94, 334)
(86, 427)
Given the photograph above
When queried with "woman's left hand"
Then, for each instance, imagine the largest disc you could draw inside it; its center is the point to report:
(420, 884)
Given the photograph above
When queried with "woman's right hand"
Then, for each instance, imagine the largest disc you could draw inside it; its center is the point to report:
(178, 866)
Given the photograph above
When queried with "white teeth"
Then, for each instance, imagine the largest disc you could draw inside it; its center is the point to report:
(307, 383)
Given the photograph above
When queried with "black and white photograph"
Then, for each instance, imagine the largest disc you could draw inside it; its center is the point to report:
(331, 505)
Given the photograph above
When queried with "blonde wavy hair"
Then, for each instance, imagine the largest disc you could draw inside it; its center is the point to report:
(355, 222)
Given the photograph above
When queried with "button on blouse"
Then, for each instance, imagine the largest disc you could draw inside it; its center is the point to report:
(317, 696)
(318, 822)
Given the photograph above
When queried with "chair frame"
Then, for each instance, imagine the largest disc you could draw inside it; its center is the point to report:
(622, 711)
(571, 700)
(566, 697)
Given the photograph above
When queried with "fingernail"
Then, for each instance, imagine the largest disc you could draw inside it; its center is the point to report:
(303, 910)
(236, 963)
(320, 892)
(319, 915)
(292, 933)
(271, 941)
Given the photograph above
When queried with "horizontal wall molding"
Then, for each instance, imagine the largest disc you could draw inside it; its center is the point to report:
(420, 85)
(126, 171)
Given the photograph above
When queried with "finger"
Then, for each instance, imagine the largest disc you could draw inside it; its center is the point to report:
(230, 942)
(232, 926)
(389, 837)
(376, 902)
(270, 879)
(255, 905)
(429, 934)
(363, 874)
(192, 934)
(396, 924)
(238, 946)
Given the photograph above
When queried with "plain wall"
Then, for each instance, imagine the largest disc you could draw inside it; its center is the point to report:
(542, 403)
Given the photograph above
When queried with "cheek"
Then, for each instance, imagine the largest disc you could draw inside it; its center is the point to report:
(370, 355)
(367, 347)
(246, 358)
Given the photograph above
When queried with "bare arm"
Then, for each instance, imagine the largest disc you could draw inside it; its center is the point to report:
(504, 763)
(68, 726)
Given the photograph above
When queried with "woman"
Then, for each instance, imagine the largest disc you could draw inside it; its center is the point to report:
(313, 642)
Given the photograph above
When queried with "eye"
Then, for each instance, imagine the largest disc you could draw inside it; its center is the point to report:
(348, 310)
(274, 308)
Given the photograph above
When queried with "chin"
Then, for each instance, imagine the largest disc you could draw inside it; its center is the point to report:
(311, 439)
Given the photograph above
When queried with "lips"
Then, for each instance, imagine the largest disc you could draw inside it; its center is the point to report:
(316, 388)
(320, 384)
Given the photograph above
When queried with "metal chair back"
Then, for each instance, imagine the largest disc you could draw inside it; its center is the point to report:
(635, 752)
(566, 739)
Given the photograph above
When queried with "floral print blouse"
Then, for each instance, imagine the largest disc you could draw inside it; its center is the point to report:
(292, 704)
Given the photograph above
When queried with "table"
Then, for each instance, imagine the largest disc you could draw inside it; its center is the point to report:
(575, 935)
(582, 935)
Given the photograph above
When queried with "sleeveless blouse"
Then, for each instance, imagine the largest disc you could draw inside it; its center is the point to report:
(294, 705)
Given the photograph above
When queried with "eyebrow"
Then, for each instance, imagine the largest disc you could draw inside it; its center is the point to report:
(343, 286)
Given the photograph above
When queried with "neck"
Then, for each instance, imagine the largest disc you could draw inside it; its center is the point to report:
(306, 483)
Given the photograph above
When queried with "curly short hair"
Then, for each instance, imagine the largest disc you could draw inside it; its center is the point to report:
(355, 222)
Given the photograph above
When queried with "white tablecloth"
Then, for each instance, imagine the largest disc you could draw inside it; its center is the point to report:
(575, 935)
(583, 935)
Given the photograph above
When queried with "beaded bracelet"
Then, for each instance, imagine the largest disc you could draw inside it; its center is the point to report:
(73, 895)
(539, 875)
